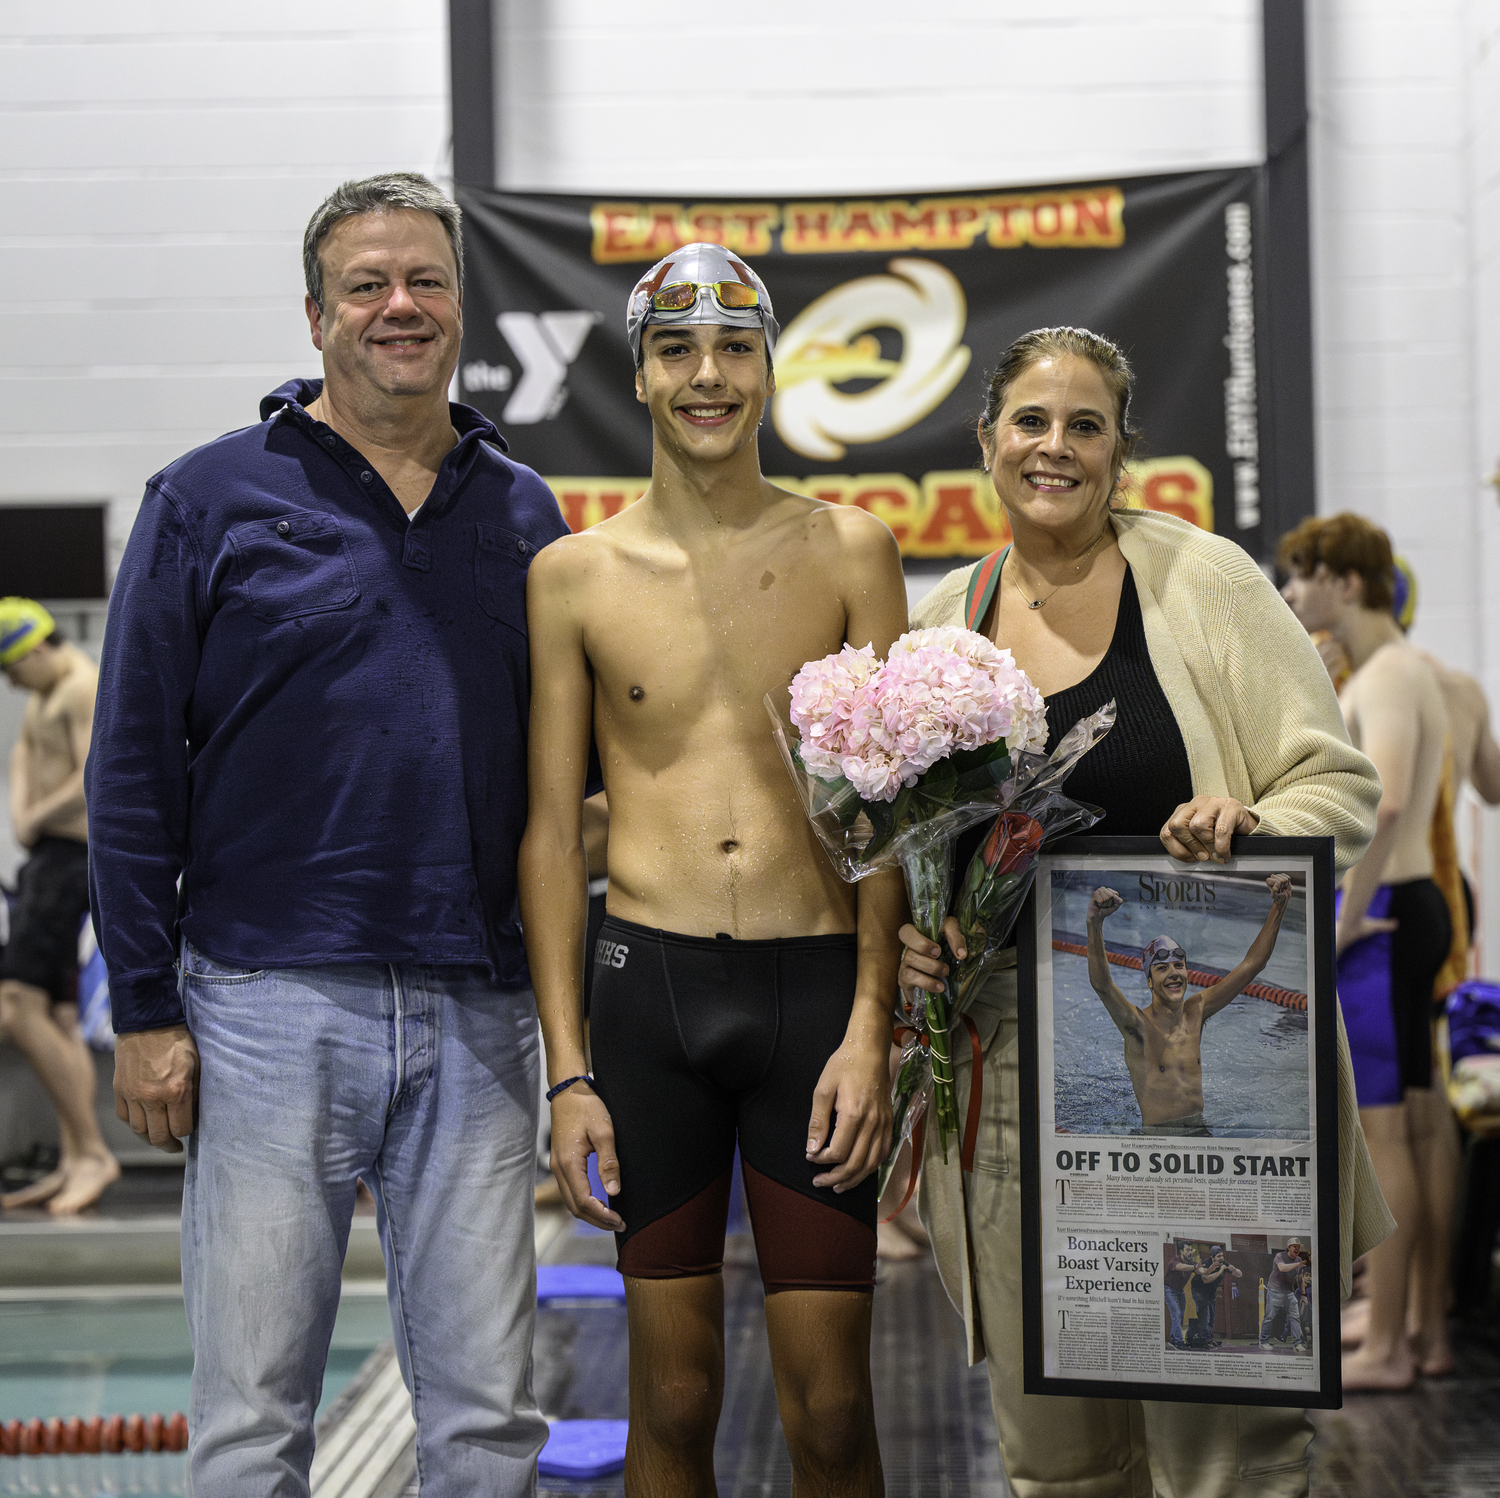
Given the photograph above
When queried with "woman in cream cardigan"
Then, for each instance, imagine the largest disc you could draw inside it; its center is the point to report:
(1227, 724)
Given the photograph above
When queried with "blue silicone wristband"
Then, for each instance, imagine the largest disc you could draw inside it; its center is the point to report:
(566, 1083)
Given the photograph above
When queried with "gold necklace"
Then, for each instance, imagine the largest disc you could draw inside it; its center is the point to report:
(1036, 603)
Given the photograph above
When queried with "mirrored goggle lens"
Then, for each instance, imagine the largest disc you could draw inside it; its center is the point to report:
(681, 295)
(735, 295)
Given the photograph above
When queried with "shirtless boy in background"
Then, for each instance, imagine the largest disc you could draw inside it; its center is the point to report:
(1476, 754)
(740, 989)
(38, 1008)
(1393, 930)
(1476, 762)
(1164, 1041)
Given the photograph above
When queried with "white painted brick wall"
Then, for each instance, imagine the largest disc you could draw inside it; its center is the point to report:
(1483, 182)
(787, 97)
(159, 161)
(1392, 291)
(1406, 226)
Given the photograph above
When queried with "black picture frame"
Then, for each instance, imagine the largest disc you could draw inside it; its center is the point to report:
(1211, 1375)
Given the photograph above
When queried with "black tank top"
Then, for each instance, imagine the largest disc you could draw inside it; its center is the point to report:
(1139, 771)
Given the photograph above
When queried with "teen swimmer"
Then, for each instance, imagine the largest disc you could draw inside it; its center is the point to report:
(1164, 1039)
(741, 991)
(1393, 929)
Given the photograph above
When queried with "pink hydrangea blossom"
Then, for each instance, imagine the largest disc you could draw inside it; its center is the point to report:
(882, 725)
(825, 695)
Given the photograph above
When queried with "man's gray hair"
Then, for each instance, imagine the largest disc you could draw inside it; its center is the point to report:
(386, 193)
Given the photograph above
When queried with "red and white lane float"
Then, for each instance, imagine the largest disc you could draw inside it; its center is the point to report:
(97, 1436)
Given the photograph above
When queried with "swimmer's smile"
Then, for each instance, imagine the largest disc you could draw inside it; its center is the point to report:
(701, 414)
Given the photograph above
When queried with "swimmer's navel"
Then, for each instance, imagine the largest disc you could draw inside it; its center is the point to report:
(637, 694)
(729, 845)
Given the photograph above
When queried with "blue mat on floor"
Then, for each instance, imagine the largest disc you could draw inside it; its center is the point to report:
(583, 1448)
(578, 1282)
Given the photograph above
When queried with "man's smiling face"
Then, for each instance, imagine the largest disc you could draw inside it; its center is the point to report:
(706, 385)
(391, 319)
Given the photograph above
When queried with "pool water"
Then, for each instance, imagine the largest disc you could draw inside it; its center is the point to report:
(1255, 1053)
(127, 1355)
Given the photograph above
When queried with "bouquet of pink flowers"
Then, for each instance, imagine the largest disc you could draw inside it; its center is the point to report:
(893, 760)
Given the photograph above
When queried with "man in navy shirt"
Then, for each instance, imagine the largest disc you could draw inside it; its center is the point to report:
(306, 790)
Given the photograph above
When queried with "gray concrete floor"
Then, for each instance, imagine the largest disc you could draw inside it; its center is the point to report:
(1441, 1440)
(937, 1434)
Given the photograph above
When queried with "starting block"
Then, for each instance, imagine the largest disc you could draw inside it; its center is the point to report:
(583, 1448)
(596, 1283)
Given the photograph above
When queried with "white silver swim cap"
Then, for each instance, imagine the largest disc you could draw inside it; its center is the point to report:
(705, 264)
(1160, 950)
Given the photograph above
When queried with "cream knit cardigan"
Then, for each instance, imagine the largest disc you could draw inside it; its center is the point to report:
(1261, 723)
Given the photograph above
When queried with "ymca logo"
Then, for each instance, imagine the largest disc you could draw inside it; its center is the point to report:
(610, 953)
(546, 343)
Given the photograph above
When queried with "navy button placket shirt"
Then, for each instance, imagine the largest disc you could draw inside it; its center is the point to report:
(314, 711)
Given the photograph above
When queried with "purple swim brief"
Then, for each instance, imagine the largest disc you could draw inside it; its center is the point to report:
(1366, 997)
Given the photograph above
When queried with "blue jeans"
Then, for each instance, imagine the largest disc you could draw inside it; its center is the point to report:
(1176, 1309)
(423, 1080)
(1205, 1302)
(1278, 1301)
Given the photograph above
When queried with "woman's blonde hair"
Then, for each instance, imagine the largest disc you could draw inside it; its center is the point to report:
(1051, 343)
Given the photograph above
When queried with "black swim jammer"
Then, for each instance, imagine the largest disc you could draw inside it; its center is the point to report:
(697, 1041)
(43, 950)
(1419, 948)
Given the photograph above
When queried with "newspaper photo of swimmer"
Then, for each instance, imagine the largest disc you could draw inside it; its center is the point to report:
(1178, 1129)
(1180, 1003)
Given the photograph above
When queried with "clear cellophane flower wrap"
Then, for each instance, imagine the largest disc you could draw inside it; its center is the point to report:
(1033, 813)
(892, 762)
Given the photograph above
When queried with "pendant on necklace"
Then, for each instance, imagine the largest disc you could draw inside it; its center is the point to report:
(1039, 602)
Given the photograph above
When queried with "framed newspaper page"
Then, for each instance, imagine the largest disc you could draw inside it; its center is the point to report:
(1179, 1124)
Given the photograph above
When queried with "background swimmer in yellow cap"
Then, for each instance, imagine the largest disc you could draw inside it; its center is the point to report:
(38, 1009)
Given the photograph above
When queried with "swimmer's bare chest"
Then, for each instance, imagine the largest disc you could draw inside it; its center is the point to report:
(1166, 1065)
(1410, 856)
(706, 833)
(49, 743)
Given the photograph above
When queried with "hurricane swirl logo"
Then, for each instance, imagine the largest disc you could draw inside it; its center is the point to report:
(832, 342)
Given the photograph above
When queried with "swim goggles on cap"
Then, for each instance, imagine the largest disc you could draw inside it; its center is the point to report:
(681, 296)
(1162, 950)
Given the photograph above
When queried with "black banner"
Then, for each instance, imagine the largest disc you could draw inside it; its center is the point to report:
(893, 309)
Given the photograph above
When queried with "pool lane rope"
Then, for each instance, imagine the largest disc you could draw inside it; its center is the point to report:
(94, 1437)
(1202, 977)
